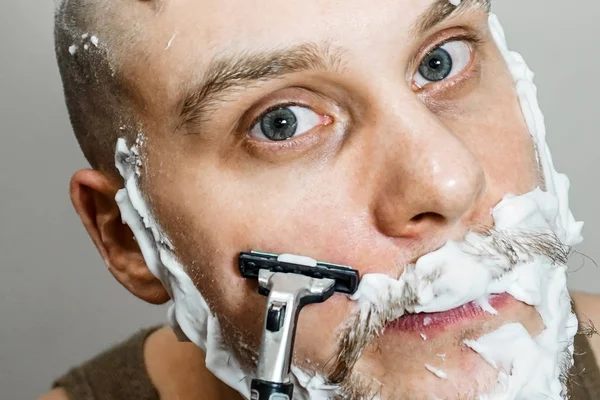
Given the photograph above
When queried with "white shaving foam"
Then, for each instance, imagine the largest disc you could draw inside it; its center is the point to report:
(534, 283)
(437, 372)
(189, 315)
(170, 43)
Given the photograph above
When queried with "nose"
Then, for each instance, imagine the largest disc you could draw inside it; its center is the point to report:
(429, 179)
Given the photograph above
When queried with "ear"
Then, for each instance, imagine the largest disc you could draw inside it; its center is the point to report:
(93, 196)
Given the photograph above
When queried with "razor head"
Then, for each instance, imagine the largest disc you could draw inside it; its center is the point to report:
(346, 279)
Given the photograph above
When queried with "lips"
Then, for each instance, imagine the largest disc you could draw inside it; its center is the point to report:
(428, 322)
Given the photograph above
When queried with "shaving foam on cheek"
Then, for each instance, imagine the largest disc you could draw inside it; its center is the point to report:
(556, 183)
(528, 367)
(189, 314)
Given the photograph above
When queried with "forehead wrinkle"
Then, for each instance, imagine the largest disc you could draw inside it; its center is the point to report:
(441, 10)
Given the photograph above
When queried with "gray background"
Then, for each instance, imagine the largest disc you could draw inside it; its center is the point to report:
(59, 305)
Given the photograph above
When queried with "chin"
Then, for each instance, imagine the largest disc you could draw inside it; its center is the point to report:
(422, 356)
(455, 373)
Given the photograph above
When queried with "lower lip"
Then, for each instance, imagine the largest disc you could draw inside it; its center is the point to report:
(424, 322)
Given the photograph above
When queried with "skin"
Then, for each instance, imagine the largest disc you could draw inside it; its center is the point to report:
(390, 173)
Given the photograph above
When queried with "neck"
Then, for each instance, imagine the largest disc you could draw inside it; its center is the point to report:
(178, 371)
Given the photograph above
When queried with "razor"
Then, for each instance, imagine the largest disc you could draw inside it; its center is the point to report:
(290, 282)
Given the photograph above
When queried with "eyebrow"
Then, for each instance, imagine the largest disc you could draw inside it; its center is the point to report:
(441, 10)
(225, 75)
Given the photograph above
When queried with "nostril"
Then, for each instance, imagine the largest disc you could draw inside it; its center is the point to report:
(418, 218)
(431, 216)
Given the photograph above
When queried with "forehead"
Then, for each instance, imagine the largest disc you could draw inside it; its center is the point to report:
(186, 34)
(222, 26)
(276, 19)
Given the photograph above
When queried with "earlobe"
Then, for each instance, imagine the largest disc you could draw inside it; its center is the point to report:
(93, 196)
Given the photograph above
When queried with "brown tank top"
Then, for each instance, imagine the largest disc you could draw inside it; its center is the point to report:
(117, 374)
(120, 374)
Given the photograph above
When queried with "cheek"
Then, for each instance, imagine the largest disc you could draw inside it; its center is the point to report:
(512, 163)
(494, 128)
(315, 214)
(211, 224)
(505, 149)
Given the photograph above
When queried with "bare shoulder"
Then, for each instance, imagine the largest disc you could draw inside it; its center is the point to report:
(588, 310)
(56, 394)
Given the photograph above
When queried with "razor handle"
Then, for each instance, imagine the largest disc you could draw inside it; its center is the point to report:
(287, 294)
(263, 390)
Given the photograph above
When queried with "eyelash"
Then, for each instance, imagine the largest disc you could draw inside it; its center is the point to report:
(475, 40)
(472, 38)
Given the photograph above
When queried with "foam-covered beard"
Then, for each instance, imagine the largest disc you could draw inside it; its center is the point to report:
(528, 368)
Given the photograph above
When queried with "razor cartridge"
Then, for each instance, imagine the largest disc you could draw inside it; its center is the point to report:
(346, 279)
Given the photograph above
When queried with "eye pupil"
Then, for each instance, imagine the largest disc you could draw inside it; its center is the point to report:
(435, 63)
(279, 124)
(436, 66)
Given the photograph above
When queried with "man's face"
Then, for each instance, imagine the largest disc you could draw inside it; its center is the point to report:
(359, 133)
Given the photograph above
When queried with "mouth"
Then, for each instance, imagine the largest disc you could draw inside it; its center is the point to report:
(423, 323)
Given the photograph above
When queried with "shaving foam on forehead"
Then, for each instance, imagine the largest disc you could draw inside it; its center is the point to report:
(458, 277)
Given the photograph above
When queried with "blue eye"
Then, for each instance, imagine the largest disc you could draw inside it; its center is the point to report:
(443, 62)
(436, 66)
(285, 123)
